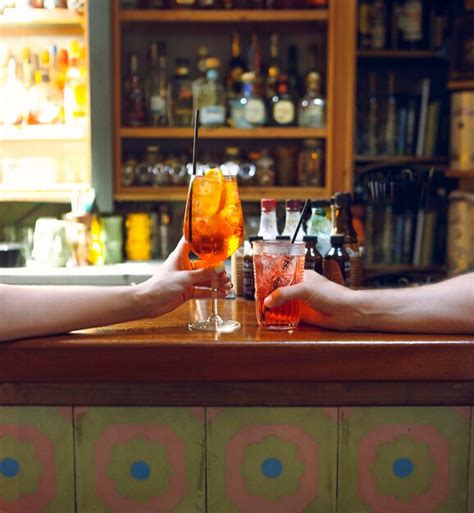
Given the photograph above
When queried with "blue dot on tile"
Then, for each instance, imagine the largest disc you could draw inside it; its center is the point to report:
(9, 467)
(403, 467)
(140, 470)
(272, 468)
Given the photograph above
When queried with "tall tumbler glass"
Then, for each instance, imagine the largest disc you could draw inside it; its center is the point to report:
(277, 264)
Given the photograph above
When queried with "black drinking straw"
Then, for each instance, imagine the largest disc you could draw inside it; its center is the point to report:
(306, 207)
(190, 198)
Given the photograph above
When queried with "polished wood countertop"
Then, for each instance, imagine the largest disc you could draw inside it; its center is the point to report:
(164, 350)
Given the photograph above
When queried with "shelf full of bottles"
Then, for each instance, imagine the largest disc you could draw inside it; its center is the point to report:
(43, 86)
(278, 111)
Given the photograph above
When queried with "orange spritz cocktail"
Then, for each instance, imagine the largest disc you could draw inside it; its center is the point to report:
(214, 226)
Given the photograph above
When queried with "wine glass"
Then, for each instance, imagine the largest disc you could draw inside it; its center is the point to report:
(214, 226)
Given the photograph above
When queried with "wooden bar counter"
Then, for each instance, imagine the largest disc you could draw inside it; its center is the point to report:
(161, 362)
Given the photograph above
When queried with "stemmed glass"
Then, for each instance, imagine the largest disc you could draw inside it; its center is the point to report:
(214, 227)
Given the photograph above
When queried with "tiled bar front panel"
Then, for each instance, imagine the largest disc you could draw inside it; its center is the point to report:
(236, 460)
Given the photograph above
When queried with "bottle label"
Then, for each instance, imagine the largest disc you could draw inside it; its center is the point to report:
(284, 112)
(212, 115)
(314, 117)
(411, 21)
(255, 112)
(158, 105)
(248, 278)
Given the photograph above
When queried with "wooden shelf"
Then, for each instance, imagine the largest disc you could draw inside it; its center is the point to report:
(42, 133)
(400, 54)
(469, 174)
(461, 85)
(224, 133)
(17, 22)
(59, 194)
(373, 271)
(224, 16)
(254, 193)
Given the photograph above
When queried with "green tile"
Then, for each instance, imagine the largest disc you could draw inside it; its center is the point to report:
(271, 460)
(140, 460)
(403, 459)
(470, 508)
(36, 460)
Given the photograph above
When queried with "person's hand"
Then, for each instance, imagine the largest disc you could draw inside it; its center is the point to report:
(324, 303)
(175, 282)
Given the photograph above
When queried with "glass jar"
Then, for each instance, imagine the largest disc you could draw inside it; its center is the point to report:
(310, 164)
(145, 169)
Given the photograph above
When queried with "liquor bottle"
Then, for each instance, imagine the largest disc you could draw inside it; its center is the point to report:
(320, 226)
(273, 71)
(255, 65)
(13, 96)
(283, 106)
(165, 225)
(26, 68)
(412, 15)
(292, 216)
(134, 101)
(310, 169)
(210, 99)
(248, 269)
(180, 96)
(379, 17)
(313, 259)
(294, 77)
(155, 85)
(372, 134)
(312, 107)
(391, 118)
(365, 23)
(268, 219)
(203, 54)
(250, 111)
(45, 100)
(236, 68)
(63, 67)
(336, 262)
(207, 4)
(156, 4)
(344, 226)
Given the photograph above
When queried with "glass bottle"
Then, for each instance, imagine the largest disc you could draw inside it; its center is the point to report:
(233, 161)
(292, 216)
(250, 111)
(344, 226)
(128, 172)
(155, 85)
(45, 101)
(372, 143)
(336, 262)
(310, 164)
(294, 77)
(411, 21)
(248, 270)
(265, 173)
(313, 259)
(312, 107)
(247, 170)
(378, 32)
(207, 4)
(165, 224)
(134, 95)
(255, 61)
(273, 70)
(156, 4)
(236, 68)
(210, 97)
(365, 21)
(182, 4)
(391, 118)
(13, 98)
(283, 105)
(319, 225)
(180, 96)
(144, 170)
(268, 219)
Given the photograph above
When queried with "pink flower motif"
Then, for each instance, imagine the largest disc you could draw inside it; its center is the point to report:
(45, 453)
(366, 456)
(308, 452)
(175, 449)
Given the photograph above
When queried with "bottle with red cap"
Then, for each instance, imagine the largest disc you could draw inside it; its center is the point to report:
(292, 217)
(268, 219)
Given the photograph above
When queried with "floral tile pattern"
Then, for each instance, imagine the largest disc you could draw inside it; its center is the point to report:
(403, 460)
(36, 460)
(276, 460)
(140, 460)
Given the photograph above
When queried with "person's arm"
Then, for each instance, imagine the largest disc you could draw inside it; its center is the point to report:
(28, 311)
(445, 307)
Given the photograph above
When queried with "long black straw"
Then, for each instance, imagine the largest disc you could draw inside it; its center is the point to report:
(190, 198)
(305, 210)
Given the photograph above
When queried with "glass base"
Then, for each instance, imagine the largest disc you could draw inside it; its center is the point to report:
(216, 324)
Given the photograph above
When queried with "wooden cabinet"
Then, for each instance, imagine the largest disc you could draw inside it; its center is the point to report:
(333, 27)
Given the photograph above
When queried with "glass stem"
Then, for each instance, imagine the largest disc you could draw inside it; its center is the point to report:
(214, 287)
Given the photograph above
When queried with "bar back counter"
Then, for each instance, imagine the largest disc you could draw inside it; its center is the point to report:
(151, 417)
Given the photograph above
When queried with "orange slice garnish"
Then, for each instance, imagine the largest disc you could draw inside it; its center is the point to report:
(209, 193)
